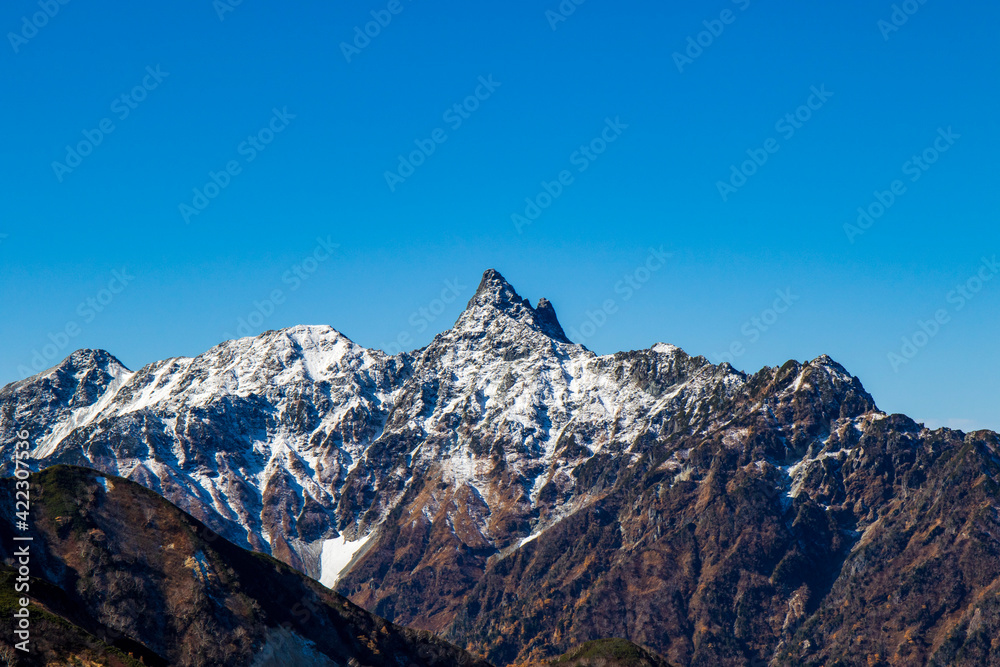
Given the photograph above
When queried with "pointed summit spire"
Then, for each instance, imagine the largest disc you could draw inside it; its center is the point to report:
(545, 315)
(495, 297)
(495, 290)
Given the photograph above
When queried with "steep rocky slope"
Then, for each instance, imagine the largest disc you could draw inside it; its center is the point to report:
(255, 437)
(519, 494)
(123, 577)
(880, 545)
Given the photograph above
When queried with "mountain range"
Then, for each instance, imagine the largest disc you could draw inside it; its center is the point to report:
(519, 495)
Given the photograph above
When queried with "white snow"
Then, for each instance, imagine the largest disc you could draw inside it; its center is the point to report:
(317, 402)
(799, 380)
(529, 538)
(798, 471)
(82, 416)
(337, 553)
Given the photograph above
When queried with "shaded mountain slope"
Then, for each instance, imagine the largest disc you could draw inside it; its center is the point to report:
(121, 564)
(609, 653)
(55, 638)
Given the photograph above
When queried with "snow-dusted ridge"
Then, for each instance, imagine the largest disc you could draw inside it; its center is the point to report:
(300, 442)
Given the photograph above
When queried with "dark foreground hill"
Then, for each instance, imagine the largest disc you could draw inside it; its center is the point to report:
(614, 652)
(122, 577)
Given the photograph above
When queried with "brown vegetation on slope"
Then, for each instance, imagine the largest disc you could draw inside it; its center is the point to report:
(134, 571)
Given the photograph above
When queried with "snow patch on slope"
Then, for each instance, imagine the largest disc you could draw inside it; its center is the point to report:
(665, 348)
(797, 472)
(337, 554)
(529, 538)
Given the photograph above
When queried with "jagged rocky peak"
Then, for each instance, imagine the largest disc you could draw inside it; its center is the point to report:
(79, 378)
(812, 393)
(826, 372)
(666, 348)
(300, 336)
(88, 359)
(40, 403)
(496, 307)
(835, 385)
(545, 314)
(494, 292)
(312, 351)
(85, 366)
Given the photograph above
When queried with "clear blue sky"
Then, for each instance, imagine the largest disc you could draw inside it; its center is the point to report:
(189, 279)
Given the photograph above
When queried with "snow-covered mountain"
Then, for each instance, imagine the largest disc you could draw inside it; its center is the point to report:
(299, 442)
(414, 483)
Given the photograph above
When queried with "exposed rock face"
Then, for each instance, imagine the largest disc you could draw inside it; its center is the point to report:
(521, 495)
